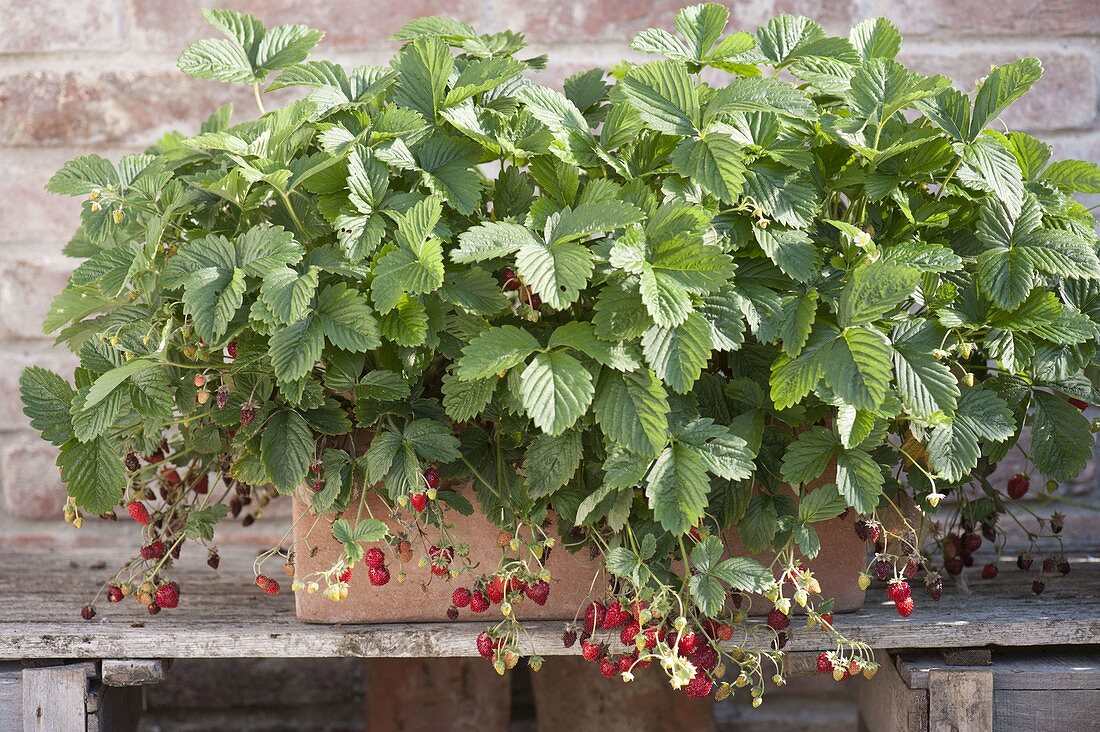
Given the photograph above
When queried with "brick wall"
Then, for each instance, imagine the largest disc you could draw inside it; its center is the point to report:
(100, 76)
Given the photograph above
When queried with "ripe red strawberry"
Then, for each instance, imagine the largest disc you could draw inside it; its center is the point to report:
(568, 638)
(699, 687)
(431, 477)
(452, 613)
(247, 415)
(478, 602)
(724, 632)
(139, 513)
(1017, 486)
(614, 616)
(861, 529)
(114, 593)
(213, 559)
(87, 612)
(934, 588)
(1063, 565)
(953, 565)
(989, 571)
(827, 618)
(1024, 562)
(777, 620)
(534, 300)
(593, 616)
(538, 592)
(231, 349)
(1082, 405)
(687, 643)
(440, 568)
(905, 607)
(1049, 565)
(171, 476)
(461, 597)
(971, 543)
(495, 589)
(591, 651)
(625, 662)
(168, 595)
(378, 576)
(509, 279)
(272, 587)
(221, 396)
(485, 645)
(1038, 586)
(419, 501)
(824, 665)
(898, 590)
(629, 633)
(202, 485)
(704, 657)
(883, 569)
(132, 462)
(515, 584)
(345, 576)
(608, 668)
(154, 550)
(374, 557)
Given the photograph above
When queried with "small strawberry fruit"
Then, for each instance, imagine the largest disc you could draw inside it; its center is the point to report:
(1024, 562)
(509, 279)
(114, 593)
(139, 513)
(1080, 404)
(824, 665)
(934, 587)
(404, 550)
(452, 613)
(898, 590)
(1049, 565)
(461, 597)
(344, 576)
(213, 560)
(688, 642)
(1063, 565)
(777, 619)
(1038, 586)
(478, 602)
(593, 616)
(724, 631)
(989, 571)
(154, 550)
(629, 633)
(971, 543)
(272, 587)
(568, 638)
(827, 618)
(590, 651)
(861, 529)
(495, 589)
(231, 349)
(153, 608)
(221, 396)
(1017, 486)
(883, 569)
(608, 668)
(625, 662)
(538, 592)
(374, 557)
(485, 645)
(705, 657)
(953, 565)
(247, 415)
(379, 576)
(614, 617)
(419, 501)
(699, 687)
(132, 462)
(168, 595)
(905, 607)
(87, 612)
(431, 477)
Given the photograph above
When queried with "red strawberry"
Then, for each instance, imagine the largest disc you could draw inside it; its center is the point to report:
(971, 543)
(202, 485)
(568, 638)
(989, 571)
(114, 593)
(431, 477)
(614, 617)
(883, 569)
(452, 613)
(272, 587)
(231, 349)
(171, 476)
(824, 665)
(911, 568)
(827, 618)
(495, 589)
(724, 631)
(934, 589)
(780, 640)
(778, 620)
(168, 595)
(953, 565)
(688, 642)
(1024, 562)
(87, 612)
(485, 645)
(440, 569)
(508, 276)
(378, 576)
(629, 633)
(905, 607)
(154, 550)
(132, 462)
(608, 668)
(861, 529)
(538, 592)
(1082, 405)
(374, 557)
(247, 415)
(1038, 586)
(593, 616)
(419, 501)
(705, 657)
(478, 602)
(1017, 486)
(591, 651)
(699, 687)
(898, 590)
(139, 513)
(345, 576)
(461, 597)
(625, 662)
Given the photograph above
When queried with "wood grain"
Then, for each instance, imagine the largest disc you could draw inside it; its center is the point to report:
(223, 615)
(960, 701)
(55, 698)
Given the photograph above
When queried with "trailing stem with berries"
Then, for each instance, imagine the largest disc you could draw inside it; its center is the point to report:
(760, 281)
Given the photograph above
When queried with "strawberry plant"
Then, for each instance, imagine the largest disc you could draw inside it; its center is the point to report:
(760, 281)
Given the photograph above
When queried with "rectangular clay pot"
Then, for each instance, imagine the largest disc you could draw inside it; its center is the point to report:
(425, 597)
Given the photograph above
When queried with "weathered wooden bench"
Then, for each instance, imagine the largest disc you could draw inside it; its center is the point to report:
(63, 673)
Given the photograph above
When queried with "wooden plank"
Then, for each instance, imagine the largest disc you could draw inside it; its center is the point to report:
(960, 701)
(120, 709)
(55, 698)
(133, 672)
(223, 615)
(1027, 711)
(887, 703)
(1018, 670)
(967, 656)
(11, 697)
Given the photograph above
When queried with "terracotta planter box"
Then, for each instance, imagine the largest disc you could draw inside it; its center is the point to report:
(836, 567)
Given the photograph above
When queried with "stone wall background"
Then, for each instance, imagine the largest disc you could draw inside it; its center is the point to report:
(78, 76)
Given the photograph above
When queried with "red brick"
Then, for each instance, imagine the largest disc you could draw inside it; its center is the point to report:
(29, 213)
(31, 485)
(1008, 17)
(169, 26)
(16, 357)
(27, 287)
(59, 25)
(617, 21)
(1065, 98)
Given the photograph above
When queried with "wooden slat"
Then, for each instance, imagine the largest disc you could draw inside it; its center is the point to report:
(887, 703)
(133, 672)
(55, 698)
(1019, 670)
(1065, 711)
(223, 615)
(960, 700)
(11, 696)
